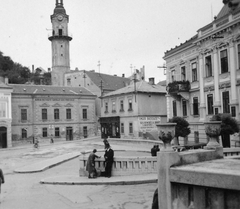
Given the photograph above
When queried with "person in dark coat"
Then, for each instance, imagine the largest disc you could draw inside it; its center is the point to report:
(109, 154)
(1, 179)
(154, 150)
(92, 172)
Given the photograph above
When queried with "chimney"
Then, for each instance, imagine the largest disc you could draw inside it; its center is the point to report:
(49, 69)
(32, 68)
(123, 75)
(151, 81)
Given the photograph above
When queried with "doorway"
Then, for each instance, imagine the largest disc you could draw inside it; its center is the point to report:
(69, 133)
(3, 137)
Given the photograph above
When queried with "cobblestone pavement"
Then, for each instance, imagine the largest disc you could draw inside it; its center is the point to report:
(23, 191)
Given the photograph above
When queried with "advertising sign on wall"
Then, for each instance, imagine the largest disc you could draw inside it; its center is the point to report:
(147, 124)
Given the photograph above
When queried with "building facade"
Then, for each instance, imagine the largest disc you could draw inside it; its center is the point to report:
(131, 112)
(64, 113)
(60, 39)
(5, 114)
(203, 74)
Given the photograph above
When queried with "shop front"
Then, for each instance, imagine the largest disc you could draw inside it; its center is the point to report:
(110, 127)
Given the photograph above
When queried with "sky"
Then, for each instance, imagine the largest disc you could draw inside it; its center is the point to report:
(118, 33)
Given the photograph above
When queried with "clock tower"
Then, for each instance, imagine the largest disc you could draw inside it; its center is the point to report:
(60, 44)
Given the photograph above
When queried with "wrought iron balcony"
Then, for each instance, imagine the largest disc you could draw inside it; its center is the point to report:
(178, 86)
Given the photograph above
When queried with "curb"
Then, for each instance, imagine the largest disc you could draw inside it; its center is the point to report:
(38, 167)
(120, 180)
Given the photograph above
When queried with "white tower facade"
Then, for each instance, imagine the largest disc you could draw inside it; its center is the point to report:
(60, 44)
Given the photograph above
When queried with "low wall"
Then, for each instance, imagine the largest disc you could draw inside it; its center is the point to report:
(231, 151)
(127, 165)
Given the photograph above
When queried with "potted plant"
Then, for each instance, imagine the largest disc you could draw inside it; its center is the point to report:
(166, 132)
(213, 130)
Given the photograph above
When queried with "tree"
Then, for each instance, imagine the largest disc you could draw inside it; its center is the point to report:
(229, 126)
(181, 129)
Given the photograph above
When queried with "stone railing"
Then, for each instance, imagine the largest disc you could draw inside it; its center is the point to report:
(231, 151)
(128, 165)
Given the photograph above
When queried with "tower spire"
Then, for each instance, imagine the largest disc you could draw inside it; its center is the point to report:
(59, 2)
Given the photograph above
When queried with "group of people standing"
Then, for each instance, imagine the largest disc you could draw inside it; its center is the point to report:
(108, 156)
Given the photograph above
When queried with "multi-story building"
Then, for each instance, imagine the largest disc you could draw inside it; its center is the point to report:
(133, 111)
(203, 74)
(65, 113)
(5, 114)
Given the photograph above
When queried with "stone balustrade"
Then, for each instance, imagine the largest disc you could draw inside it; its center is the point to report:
(231, 151)
(127, 165)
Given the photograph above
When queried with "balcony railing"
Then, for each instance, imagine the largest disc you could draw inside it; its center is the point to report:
(178, 86)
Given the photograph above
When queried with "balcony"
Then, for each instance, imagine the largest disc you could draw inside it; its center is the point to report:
(178, 86)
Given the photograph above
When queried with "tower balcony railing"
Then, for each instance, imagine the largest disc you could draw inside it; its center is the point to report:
(67, 36)
(176, 87)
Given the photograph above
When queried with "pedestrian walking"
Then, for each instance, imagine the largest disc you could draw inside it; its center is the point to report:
(109, 154)
(1, 179)
(92, 172)
(51, 140)
(36, 143)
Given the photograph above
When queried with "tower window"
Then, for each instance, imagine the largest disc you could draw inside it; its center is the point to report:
(62, 55)
(61, 45)
(60, 32)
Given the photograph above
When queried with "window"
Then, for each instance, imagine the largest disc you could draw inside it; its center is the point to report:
(122, 128)
(184, 107)
(130, 105)
(113, 106)
(210, 104)
(174, 104)
(84, 112)
(69, 81)
(225, 99)
(3, 110)
(85, 131)
(195, 106)
(44, 132)
(208, 66)
(23, 114)
(183, 73)
(44, 114)
(24, 133)
(60, 32)
(194, 71)
(121, 106)
(57, 131)
(238, 55)
(224, 61)
(56, 114)
(130, 128)
(173, 75)
(233, 111)
(68, 114)
(106, 106)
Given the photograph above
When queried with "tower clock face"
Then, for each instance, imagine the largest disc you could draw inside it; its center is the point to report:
(60, 17)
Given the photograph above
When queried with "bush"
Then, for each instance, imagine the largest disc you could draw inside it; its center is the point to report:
(182, 128)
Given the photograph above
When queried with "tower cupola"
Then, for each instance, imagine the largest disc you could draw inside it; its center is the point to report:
(59, 7)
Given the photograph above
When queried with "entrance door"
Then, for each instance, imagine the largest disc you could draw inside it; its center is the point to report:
(3, 137)
(69, 133)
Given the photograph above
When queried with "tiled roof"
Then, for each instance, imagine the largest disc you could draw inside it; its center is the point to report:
(109, 82)
(49, 90)
(4, 86)
(162, 83)
(141, 86)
